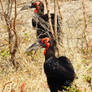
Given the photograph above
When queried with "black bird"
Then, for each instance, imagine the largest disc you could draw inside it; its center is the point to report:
(40, 20)
(59, 71)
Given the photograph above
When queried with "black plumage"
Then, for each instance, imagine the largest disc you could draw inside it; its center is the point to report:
(42, 25)
(59, 71)
(40, 20)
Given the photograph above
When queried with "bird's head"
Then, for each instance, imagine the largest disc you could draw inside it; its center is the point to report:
(36, 4)
(44, 43)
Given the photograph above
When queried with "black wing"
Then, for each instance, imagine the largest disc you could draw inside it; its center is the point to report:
(42, 25)
(63, 60)
(65, 68)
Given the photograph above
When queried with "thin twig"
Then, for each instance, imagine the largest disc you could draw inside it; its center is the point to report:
(15, 43)
(49, 16)
(14, 23)
(61, 17)
(61, 21)
(55, 18)
(85, 23)
(60, 13)
(11, 28)
(55, 23)
(5, 85)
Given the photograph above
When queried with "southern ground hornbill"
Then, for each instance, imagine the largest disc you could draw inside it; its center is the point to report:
(59, 71)
(40, 20)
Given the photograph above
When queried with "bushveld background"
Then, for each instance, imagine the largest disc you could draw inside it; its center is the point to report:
(27, 74)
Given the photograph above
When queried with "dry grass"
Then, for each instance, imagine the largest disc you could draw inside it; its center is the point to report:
(30, 73)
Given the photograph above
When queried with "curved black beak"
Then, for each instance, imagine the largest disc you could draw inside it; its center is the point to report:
(35, 46)
(25, 7)
(30, 5)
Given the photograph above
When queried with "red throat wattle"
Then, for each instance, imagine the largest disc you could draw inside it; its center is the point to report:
(47, 46)
(46, 42)
(36, 11)
(37, 7)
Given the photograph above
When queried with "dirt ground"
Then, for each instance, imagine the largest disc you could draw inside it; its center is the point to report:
(30, 72)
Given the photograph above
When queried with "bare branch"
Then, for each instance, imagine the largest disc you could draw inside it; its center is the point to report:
(85, 23)
(55, 18)
(60, 13)
(49, 16)
(11, 24)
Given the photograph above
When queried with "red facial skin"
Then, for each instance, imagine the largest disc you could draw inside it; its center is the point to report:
(46, 42)
(37, 3)
(37, 7)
